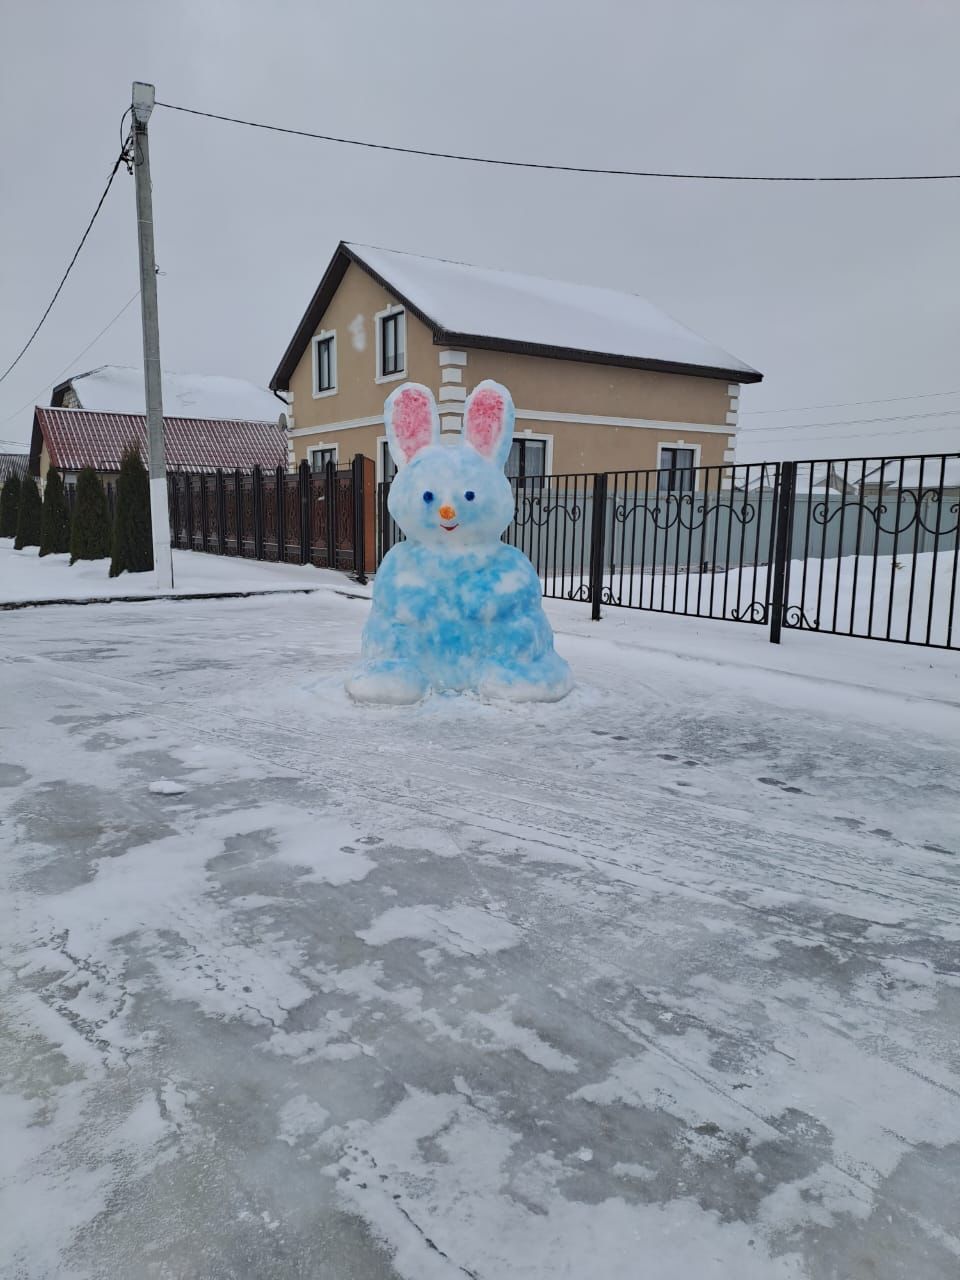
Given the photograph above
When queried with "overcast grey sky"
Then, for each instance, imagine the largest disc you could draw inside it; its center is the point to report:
(837, 293)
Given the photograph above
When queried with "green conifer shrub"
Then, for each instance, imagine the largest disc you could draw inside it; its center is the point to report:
(132, 538)
(90, 535)
(29, 516)
(55, 519)
(9, 507)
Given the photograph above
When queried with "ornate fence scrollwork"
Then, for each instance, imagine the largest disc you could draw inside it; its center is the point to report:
(825, 546)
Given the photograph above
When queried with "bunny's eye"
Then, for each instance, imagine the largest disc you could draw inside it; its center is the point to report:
(469, 495)
(428, 496)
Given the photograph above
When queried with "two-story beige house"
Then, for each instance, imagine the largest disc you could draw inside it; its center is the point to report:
(602, 381)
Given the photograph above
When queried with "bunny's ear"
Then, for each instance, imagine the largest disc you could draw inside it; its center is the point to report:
(412, 421)
(488, 421)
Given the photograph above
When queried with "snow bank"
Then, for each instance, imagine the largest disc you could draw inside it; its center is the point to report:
(25, 576)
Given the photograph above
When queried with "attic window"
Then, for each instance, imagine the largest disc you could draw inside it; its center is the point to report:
(324, 364)
(392, 357)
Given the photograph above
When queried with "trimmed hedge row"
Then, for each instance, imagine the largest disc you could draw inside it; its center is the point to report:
(88, 536)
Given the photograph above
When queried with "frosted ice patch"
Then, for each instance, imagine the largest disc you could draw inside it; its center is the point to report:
(165, 787)
(639, 1172)
(491, 1208)
(818, 1199)
(317, 847)
(301, 1118)
(501, 1032)
(665, 1082)
(428, 840)
(460, 930)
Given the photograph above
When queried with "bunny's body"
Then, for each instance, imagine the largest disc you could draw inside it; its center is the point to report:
(454, 608)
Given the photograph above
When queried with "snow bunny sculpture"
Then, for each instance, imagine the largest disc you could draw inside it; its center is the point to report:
(454, 608)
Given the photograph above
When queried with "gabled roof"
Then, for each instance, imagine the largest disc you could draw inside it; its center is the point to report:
(77, 438)
(468, 306)
(114, 388)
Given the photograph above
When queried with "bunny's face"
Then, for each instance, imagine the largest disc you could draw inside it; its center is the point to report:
(457, 497)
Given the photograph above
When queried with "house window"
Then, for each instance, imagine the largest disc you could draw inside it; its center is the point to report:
(391, 334)
(324, 364)
(388, 468)
(527, 461)
(676, 470)
(320, 456)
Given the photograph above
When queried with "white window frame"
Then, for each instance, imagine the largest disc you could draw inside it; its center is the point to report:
(678, 444)
(323, 336)
(378, 319)
(548, 451)
(323, 448)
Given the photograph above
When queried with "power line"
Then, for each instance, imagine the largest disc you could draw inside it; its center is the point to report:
(852, 422)
(63, 281)
(559, 168)
(849, 404)
(748, 437)
(109, 325)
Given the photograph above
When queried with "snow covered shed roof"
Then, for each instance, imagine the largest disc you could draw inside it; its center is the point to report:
(469, 306)
(916, 473)
(78, 438)
(114, 388)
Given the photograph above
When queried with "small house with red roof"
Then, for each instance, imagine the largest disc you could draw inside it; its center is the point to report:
(71, 439)
(210, 423)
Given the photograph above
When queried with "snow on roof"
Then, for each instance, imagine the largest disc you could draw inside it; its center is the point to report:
(78, 438)
(480, 302)
(117, 388)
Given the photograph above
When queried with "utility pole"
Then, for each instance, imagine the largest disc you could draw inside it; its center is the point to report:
(142, 106)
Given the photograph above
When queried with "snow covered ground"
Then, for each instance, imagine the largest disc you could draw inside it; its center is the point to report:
(660, 981)
(25, 576)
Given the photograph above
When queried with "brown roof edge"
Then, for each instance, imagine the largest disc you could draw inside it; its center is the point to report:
(36, 445)
(332, 277)
(443, 337)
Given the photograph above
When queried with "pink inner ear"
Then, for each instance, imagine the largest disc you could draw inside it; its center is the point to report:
(412, 419)
(485, 421)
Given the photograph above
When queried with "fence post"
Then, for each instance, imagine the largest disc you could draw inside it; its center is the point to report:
(258, 512)
(281, 515)
(781, 561)
(221, 514)
(304, 475)
(359, 520)
(598, 530)
(383, 518)
(171, 504)
(330, 502)
(204, 514)
(238, 503)
(188, 494)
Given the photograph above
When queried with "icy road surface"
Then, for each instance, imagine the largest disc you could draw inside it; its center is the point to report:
(659, 983)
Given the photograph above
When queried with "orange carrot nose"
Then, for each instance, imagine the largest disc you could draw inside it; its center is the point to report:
(447, 512)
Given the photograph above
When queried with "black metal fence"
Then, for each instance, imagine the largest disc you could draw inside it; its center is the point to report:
(302, 517)
(864, 547)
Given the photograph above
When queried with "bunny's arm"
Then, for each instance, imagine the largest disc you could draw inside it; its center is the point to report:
(402, 596)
